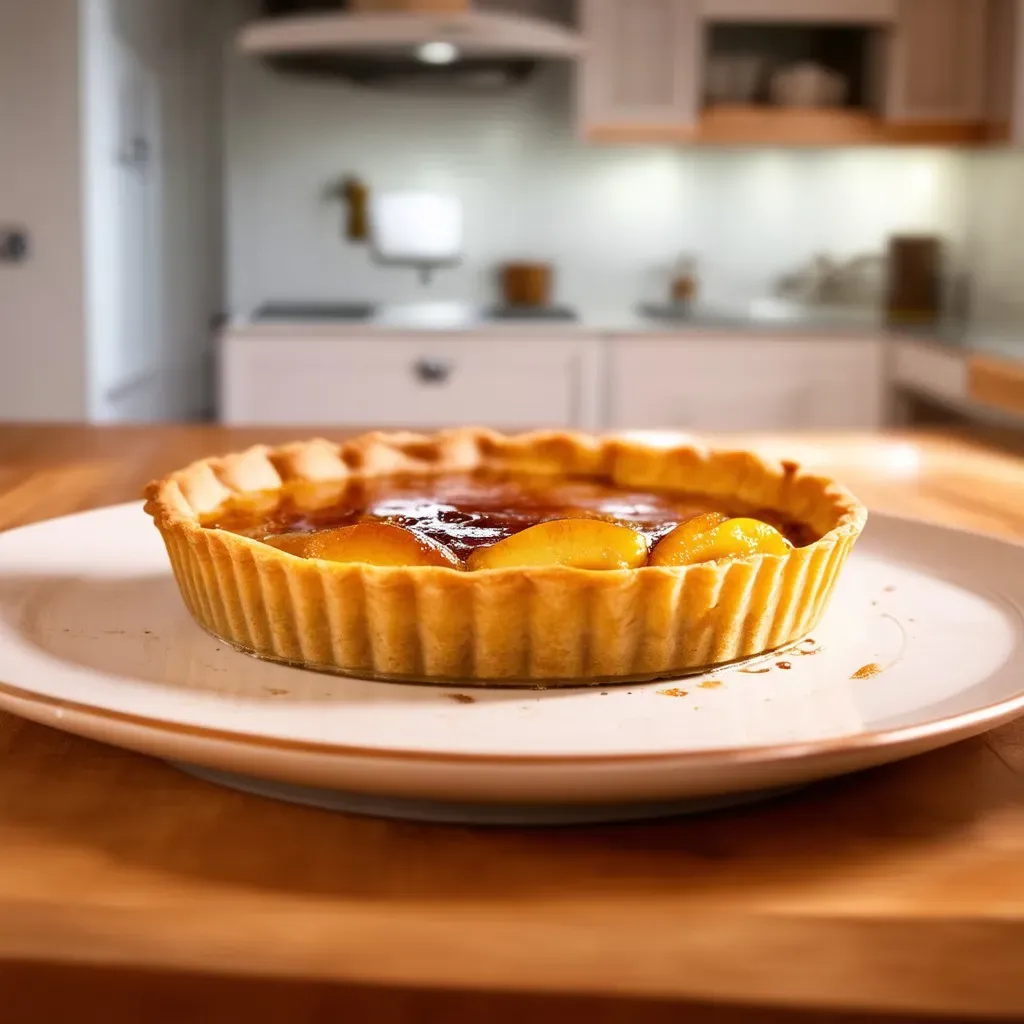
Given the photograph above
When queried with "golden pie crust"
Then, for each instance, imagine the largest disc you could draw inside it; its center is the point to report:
(536, 626)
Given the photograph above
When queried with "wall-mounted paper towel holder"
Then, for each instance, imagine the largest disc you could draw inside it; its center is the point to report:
(416, 229)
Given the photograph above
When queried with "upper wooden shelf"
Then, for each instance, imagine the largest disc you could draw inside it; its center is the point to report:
(775, 126)
(790, 126)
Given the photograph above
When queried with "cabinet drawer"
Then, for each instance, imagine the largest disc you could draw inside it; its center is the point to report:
(402, 384)
(785, 404)
(930, 370)
(704, 384)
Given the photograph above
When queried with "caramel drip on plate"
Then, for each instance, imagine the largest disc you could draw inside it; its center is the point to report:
(867, 671)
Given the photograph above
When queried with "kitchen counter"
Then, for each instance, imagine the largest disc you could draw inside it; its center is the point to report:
(124, 883)
(762, 316)
(1000, 342)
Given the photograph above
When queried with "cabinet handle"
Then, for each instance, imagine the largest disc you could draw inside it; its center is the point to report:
(433, 371)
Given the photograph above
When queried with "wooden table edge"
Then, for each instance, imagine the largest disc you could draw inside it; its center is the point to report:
(847, 965)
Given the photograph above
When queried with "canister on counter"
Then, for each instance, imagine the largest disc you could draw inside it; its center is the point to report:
(915, 279)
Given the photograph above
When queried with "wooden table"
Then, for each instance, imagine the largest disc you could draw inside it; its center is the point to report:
(121, 881)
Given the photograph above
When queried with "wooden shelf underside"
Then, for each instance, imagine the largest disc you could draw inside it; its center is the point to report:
(754, 125)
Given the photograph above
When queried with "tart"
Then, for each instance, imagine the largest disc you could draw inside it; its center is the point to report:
(540, 559)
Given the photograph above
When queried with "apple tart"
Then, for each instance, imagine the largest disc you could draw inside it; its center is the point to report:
(544, 559)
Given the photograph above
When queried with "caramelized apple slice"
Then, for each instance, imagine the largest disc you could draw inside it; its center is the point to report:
(370, 543)
(698, 526)
(734, 538)
(293, 543)
(579, 543)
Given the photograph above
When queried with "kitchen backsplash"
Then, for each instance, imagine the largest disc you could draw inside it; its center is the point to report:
(613, 219)
(994, 243)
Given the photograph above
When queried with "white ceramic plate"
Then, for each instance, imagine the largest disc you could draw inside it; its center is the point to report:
(922, 646)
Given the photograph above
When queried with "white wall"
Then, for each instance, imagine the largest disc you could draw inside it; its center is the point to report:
(995, 242)
(42, 332)
(612, 218)
(70, 343)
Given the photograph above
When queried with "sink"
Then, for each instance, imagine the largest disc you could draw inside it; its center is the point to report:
(292, 312)
(667, 311)
(530, 313)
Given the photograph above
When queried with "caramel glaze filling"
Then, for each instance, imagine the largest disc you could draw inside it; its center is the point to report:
(463, 513)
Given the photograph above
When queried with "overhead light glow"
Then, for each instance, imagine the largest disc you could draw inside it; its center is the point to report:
(438, 53)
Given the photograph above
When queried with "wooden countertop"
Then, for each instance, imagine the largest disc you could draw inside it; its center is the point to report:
(123, 882)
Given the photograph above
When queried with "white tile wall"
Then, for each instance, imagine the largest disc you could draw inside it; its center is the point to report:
(995, 240)
(613, 219)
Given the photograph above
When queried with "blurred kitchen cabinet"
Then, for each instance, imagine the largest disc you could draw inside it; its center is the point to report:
(812, 12)
(728, 384)
(1006, 71)
(640, 79)
(937, 67)
(931, 370)
(410, 380)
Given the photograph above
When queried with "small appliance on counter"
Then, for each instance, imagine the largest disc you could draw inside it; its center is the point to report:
(527, 293)
(527, 285)
(915, 279)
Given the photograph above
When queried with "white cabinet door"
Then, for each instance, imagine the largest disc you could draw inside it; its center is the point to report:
(414, 381)
(725, 384)
(930, 370)
(938, 61)
(748, 405)
(1005, 81)
(643, 67)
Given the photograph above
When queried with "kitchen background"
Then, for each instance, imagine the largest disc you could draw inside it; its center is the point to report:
(612, 218)
(161, 180)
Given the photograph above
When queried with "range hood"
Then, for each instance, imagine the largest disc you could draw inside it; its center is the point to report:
(468, 48)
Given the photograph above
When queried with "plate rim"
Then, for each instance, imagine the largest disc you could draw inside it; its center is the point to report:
(969, 722)
(965, 722)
